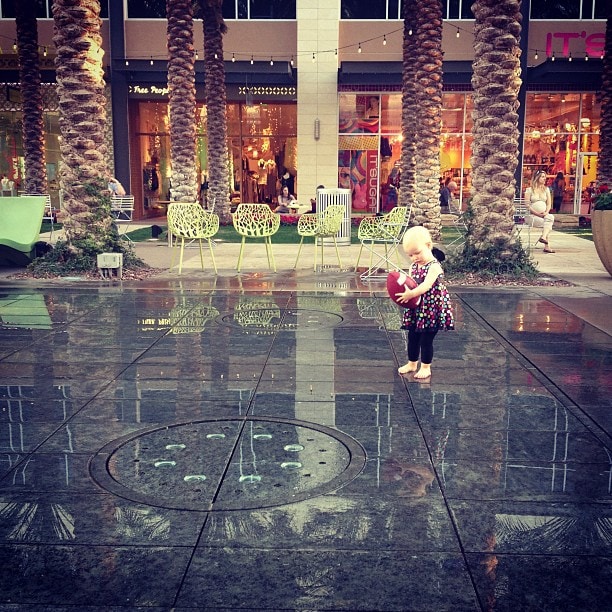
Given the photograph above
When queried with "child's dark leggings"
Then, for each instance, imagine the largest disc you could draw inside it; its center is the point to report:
(421, 343)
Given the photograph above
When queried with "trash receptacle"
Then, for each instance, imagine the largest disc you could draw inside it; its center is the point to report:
(325, 197)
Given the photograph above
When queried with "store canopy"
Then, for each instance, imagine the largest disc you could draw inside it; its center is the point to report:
(390, 73)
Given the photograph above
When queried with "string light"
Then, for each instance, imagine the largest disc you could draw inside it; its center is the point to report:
(586, 57)
(291, 62)
(385, 40)
(535, 57)
(45, 52)
(15, 46)
(127, 62)
(271, 61)
(359, 48)
(552, 57)
(151, 62)
(251, 60)
(314, 59)
(458, 34)
(216, 56)
(569, 59)
(233, 58)
(197, 56)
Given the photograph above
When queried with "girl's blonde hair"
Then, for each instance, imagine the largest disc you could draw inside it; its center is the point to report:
(418, 234)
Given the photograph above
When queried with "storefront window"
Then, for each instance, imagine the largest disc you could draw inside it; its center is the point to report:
(561, 137)
(262, 140)
(370, 146)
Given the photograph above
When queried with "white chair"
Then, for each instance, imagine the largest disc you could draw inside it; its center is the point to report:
(382, 236)
(122, 209)
(459, 224)
(522, 220)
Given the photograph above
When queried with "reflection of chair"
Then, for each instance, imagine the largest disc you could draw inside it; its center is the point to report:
(385, 231)
(122, 209)
(191, 319)
(189, 221)
(257, 314)
(256, 221)
(325, 224)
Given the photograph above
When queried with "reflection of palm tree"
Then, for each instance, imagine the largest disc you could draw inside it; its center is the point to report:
(142, 522)
(31, 521)
(587, 530)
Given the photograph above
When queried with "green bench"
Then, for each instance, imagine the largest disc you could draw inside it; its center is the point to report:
(20, 221)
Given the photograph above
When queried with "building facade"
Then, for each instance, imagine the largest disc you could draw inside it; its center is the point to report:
(314, 98)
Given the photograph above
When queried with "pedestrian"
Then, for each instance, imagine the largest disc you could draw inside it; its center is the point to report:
(433, 312)
(558, 191)
(538, 200)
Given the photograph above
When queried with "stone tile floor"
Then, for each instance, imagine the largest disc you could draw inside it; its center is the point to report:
(243, 442)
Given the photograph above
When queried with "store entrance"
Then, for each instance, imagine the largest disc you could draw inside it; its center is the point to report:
(586, 174)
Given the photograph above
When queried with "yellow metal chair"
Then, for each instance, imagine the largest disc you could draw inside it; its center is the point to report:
(325, 224)
(385, 231)
(189, 221)
(256, 221)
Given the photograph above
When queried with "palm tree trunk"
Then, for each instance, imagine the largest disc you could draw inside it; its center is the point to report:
(182, 100)
(216, 123)
(496, 81)
(429, 55)
(31, 96)
(604, 164)
(82, 122)
(407, 193)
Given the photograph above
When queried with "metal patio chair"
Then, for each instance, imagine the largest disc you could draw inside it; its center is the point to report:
(321, 225)
(189, 221)
(256, 221)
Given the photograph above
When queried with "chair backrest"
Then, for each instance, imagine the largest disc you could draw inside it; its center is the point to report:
(255, 220)
(330, 220)
(190, 220)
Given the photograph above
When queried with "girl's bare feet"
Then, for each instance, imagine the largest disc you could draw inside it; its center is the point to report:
(424, 372)
(411, 366)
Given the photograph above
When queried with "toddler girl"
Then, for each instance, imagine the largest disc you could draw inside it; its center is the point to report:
(434, 310)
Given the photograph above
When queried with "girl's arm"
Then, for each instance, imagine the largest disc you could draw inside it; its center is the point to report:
(548, 202)
(435, 270)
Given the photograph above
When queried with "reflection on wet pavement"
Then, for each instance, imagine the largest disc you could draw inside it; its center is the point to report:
(243, 447)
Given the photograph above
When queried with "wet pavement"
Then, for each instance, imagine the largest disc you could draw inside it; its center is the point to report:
(244, 442)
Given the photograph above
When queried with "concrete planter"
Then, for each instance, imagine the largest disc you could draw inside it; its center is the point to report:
(601, 221)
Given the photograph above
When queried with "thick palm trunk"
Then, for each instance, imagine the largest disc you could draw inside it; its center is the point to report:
(428, 47)
(407, 194)
(496, 81)
(604, 165)
(216, 123)
(82, 104)
(182, 100)
(31, 96)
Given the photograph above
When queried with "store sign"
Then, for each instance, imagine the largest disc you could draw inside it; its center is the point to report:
(148, 90)
(372, 170)
(593, 43)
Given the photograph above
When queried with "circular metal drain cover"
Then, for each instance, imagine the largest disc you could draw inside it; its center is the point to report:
(228, 464)
(263, 317)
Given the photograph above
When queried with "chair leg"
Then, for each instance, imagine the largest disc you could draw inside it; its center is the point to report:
(240, 254)
(173, 248)
(298, 253)
(337, 253)
(359, 257)
(201, 254)
(271, 262)
(212, 255)
(181, 255)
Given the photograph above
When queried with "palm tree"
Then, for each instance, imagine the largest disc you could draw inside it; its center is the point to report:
(216, 123)
(182, 100)
(496, 81)
(82, 104)
(428, 75)
(407, 192)
(31, 96)
(604, 164)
